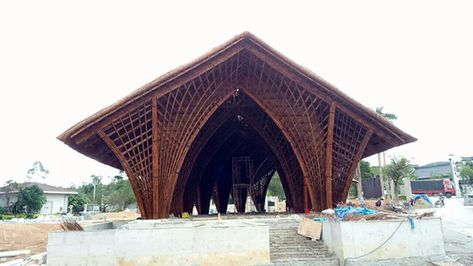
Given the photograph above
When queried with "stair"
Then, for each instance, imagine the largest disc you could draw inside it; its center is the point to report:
(289, 248)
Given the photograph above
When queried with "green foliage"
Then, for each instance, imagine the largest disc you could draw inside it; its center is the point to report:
(21, 215)
(388, 116)
(117, 194)
(402, 197)
(77, 201)
(87, 189)
(466, 171)
(121, 193)
(352, 192)
(6, 216)
(27, 215)
(2, 210)
(31, 199)
(376, 170)
(397, 170)
(275, 187)
(366, 170)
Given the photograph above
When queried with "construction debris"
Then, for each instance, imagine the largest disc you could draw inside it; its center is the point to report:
(344, 212)
(38, 259)
(14, 253)
(425, 214)
(328, 212)
(353, 212)
(71, 225)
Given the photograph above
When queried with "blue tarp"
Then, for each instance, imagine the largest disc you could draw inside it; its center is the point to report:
(424, 197)
(342, 212)
(321, 219)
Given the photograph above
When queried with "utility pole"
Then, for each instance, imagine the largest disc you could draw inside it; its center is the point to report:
(359, 185)
(381, 181)
(454, 176)
(93, 183)
(390, 182)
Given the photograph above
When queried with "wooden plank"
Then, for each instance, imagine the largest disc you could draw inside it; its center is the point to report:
(329, 159)
(354, 165)
(155, 177)
(128, 171)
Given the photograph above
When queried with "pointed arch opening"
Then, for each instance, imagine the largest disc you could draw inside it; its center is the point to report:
(239, 134)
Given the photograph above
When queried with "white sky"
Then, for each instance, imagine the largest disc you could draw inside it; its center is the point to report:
(61, 61)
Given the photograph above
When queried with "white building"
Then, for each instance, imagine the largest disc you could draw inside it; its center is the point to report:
(56, 197)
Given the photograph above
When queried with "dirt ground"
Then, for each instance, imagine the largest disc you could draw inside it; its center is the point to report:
(26, 236)
(128, 215)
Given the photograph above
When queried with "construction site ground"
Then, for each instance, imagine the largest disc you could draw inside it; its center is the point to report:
(33, 235)
(15, 236)
(457, 222)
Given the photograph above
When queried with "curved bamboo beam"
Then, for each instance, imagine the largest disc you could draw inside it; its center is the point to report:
(128, 171)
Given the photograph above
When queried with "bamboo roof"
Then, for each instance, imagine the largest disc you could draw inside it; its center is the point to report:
(386, 134)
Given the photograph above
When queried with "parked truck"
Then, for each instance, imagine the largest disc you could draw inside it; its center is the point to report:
(433, 187)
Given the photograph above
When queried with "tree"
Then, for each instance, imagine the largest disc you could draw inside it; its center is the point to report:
(37, 171)
(466, 171)
(31, 199)
(366, 170)
(388, 116)
(96, 181)
(275, 187)
(120, 193)
(117, 193)
(397, 170)
(77, 202)
(12, 186)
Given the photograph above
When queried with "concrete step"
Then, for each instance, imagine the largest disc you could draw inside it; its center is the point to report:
(304, 262)
(289, 248)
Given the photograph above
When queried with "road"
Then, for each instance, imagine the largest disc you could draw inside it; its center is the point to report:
(455, 216)
(457, 221)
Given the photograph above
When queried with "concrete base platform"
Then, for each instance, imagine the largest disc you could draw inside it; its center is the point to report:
(164, 242)
(373, 241)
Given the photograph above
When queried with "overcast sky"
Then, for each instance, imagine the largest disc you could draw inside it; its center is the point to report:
(62, 61)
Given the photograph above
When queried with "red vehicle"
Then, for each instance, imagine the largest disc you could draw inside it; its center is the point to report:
(433, 187)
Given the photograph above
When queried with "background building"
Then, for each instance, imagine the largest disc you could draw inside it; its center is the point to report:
(434, 170)
(56, 197)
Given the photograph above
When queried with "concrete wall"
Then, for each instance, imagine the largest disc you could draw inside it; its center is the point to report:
(349, 240)
(164, 243)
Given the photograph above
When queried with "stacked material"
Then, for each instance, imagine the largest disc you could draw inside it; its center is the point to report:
(349, 213)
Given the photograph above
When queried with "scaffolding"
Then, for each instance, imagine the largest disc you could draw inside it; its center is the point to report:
(242, 177)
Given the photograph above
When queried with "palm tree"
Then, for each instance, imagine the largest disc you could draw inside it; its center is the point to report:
(397, 170)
